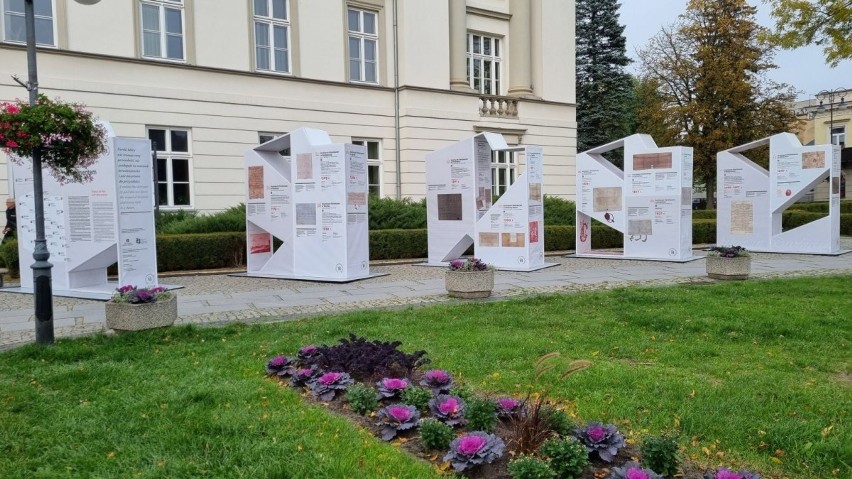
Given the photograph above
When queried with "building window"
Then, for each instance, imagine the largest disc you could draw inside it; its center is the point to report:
(502, 171)
(272, 35)
(483, 64)
(162, 29)
(264, 137)
(363, 46)
(374, 165)
(838, 135)
(174, 166)
(14, 27)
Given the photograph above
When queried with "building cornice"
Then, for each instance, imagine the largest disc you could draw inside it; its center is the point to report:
(478, 95)
(489, 13)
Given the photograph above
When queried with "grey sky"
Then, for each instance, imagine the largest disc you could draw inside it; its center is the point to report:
(804, 68)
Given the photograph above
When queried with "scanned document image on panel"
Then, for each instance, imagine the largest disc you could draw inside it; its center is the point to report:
(255, 182)
(450, 207)
(489, 239)
(306, 214)
(261, 243)
(686, 196)
(304, 166)
(513, 240)
(813, 159)
(356, 199)
(535, 191)
(742, 217)
(640, 227)
(650, 161)
(835, 185)
(606, 198)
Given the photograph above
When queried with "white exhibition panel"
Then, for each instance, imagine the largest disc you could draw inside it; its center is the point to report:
(89, 226)
(313, 201)
(752, 200)
(508, 234)
(650, 202)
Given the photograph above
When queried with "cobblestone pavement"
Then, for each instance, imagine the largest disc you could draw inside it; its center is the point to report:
(219, 298)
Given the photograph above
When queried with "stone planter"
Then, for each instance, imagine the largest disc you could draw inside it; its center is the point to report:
(136, 317)
(728, 268)
(470, 284)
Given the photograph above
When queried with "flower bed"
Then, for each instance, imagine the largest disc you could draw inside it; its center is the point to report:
(473, 435)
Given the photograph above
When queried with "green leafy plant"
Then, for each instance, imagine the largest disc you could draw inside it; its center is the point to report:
(417, 397)
(435, 434)
(481, 414)
(728, 251)
(463, 392)
(567, 457)
(362, 399)
(530, 467)
(660, 453)
(65, 134)
(557, 420)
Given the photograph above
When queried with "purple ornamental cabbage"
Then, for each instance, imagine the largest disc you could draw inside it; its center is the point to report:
(308, 354)
(508, 407)
(302, 376)
(391, 387)
(280, 366)
(327, 385)
(605, 440)
(473, 449)
(439, 380)
(725, 473)
(448, 409)
(395, 418)
(633, 470)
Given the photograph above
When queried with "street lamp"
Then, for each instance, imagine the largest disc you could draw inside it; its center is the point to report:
(42, 288)
(830, 95)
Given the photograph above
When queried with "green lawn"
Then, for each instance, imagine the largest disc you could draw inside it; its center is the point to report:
(753, 374)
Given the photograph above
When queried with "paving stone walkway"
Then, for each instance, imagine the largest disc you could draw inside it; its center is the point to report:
(217, 299)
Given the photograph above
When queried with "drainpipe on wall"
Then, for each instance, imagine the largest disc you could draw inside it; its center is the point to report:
(396, 101)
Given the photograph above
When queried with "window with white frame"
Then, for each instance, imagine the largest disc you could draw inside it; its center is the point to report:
(838, 135)
(162, 29)
(374, 165)
(363, 45)
(174, 165)
(483, 63)
(264, 137)
(503, 166)
(272, 35)
(14, 27)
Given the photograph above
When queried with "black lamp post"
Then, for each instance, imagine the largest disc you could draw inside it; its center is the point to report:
(42, 288)
(830, 95)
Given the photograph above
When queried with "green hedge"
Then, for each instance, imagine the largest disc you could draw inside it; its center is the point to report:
(822, 207)
(398, 244)
(9, 257)
(200, 251)
(794, 219)
(703, 214)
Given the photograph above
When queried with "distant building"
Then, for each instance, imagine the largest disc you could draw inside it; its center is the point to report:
(209, 79)
(824, 122)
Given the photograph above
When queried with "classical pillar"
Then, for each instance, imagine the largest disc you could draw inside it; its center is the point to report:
(520, 51)
(458, 41)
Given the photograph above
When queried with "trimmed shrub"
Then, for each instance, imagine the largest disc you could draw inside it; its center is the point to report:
(558, 211)
(9, 257)
(558, 237)
(703, 214)
(391, 214)
(167, 218)
(822, 207)
(397, 244)
(794, 218)
(703, 231)
(200, 251)
(232, 219)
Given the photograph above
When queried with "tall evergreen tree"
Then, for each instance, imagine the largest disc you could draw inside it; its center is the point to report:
(711, 73)
(604, 89)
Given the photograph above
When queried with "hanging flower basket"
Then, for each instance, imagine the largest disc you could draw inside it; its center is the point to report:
(66, 135)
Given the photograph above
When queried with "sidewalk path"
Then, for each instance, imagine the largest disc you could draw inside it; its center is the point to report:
(211, 299)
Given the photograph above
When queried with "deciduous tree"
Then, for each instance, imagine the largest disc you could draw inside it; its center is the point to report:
(827, 23)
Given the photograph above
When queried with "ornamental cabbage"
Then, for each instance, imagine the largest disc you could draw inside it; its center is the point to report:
(448, 409)
(326, 386)
(508, 407)
(279, 366)
(391, 387)
(603, 439)
(395, 418)
(633, 470)
(439, 380)
(725, 473)
(308, 354)
(474, 449)
(303, 376)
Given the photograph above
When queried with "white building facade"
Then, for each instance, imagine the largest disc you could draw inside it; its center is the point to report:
(208, 79)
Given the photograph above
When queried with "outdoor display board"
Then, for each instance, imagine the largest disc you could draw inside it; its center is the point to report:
(649, 202)
(508, 234)
(89, 226)
(751, 200)
(314, 202)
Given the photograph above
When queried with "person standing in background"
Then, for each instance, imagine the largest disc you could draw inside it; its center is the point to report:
(11, 227)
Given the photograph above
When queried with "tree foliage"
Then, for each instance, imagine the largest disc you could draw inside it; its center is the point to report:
(707, 76)
(604, 89)
(827, 23)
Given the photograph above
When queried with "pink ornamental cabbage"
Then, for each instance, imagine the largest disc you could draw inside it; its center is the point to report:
(507, 407)
(438, 380)
(448, 409)
(390, 387)
(474, 449)
(395, 418)
(633, 470)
